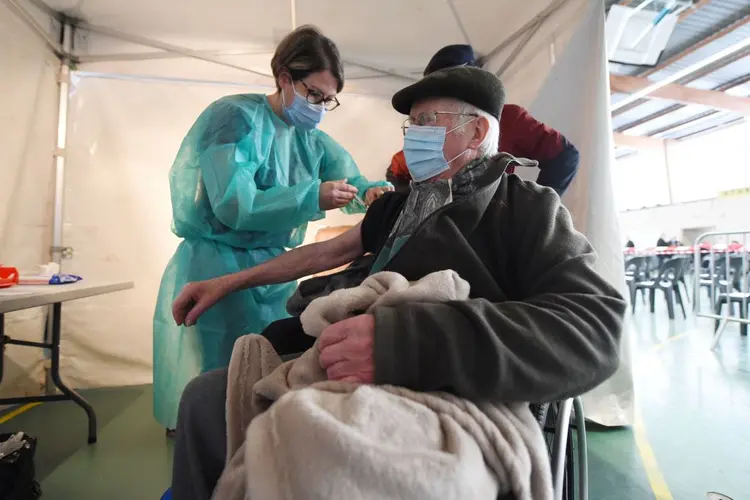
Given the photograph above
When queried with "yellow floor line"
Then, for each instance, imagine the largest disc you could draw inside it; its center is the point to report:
(661, 345)
(655, 477)
(17, 412)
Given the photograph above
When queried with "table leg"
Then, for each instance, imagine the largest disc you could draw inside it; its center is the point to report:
(55, 373)
(2, 346)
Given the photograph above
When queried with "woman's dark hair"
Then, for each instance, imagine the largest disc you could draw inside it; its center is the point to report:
(305, 51)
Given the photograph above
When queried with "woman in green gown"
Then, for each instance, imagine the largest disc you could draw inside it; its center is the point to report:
(250, 174)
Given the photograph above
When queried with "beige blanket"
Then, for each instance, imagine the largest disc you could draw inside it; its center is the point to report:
(333, 440)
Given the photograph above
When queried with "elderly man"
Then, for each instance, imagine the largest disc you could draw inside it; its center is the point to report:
(540, 324)
(522, 134)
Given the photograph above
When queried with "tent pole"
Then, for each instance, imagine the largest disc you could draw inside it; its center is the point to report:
(518, 48)
(188, 81)
(148, 56)
(513, 37)
(154, 44)
(39, 4)
(381, 71)
(457, 18)
(63, 85)
(22, 14)
(168, 79)
(57, 251)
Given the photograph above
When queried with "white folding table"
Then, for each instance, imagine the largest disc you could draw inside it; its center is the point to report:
(26, 297)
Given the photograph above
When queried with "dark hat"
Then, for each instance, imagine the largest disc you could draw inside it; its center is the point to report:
(471, 85)
(451, 56)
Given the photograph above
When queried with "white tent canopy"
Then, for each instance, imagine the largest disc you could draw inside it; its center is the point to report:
(142, 71)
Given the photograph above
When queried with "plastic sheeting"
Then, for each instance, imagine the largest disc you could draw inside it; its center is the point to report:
(583, 117)
(28, 103)
(122, 142)
(125, 130)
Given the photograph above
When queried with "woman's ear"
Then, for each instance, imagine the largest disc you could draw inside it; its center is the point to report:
(285, 78)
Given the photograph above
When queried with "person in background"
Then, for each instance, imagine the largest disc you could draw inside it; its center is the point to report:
(522, 135)
(250, 174)
(661, 242)
(630, 244)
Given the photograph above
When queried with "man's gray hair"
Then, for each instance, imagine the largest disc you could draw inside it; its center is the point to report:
(490, 143)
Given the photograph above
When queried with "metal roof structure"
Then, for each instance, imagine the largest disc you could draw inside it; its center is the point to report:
(706, 29)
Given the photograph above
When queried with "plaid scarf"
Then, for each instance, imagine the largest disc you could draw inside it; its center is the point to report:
(424, 199)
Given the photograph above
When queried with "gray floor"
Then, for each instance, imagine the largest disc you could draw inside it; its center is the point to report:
(695, 406)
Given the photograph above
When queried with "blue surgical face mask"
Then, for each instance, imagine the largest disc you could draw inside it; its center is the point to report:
(301, 113)
(423, 150)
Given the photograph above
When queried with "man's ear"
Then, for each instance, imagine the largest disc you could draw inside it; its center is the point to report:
(480, 131)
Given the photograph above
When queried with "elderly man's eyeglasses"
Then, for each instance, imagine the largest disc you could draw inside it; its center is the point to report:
(315, 96)
(429, 119)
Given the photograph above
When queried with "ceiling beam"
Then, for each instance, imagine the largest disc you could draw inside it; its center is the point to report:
(680, 93)
(739, 23)
(685, 13)
(721, 33)
(637, 142)
(693, 75)
(692, 9)
(671, 109)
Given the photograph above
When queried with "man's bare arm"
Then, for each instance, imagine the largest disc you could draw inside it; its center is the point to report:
(198, 297)
(302, 261)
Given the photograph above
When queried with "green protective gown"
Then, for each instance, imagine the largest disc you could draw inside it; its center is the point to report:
(244, 186)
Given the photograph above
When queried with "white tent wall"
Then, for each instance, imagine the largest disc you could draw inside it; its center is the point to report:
(583, 116)
(123, 137)
(125, 130)
(28, 107)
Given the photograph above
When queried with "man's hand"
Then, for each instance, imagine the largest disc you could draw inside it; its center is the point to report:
(335, 194)
(196, 298)
(373, 194)
(346, 350)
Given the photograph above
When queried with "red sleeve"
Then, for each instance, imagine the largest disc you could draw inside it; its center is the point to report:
(398, 166)
(522, 135)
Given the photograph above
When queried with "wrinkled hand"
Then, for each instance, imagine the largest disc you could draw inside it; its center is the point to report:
(336, 194)
(373, 194)
(346, 350)
(196, 298)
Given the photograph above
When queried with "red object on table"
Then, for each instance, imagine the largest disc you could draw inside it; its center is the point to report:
(8, 277)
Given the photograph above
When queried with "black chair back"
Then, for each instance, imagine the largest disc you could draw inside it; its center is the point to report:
(672, 270)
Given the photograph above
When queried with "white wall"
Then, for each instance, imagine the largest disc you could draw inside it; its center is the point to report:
(690, 175)
(689, 170)
(724, 214)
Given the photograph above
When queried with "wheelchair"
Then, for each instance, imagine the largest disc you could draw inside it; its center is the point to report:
(568, 457)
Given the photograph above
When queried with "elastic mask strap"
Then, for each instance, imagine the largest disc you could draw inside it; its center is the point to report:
(465, 150)
(459, 126)
(459, 154)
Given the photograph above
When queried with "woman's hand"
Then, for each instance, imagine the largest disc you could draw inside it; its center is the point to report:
(373, 194)
(336, 194)
(196, 298)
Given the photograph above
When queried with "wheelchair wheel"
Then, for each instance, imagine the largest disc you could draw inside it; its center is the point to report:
(570, 470)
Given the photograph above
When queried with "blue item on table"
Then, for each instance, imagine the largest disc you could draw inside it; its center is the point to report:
(64, 279)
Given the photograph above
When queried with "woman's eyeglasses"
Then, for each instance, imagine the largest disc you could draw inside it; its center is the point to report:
(316, 97)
